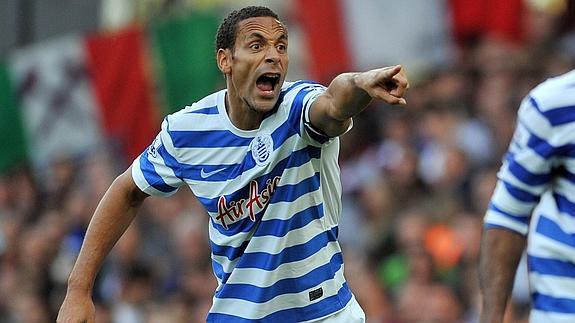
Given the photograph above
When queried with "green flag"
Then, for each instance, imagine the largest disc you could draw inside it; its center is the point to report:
(13, 143)
(185, 57)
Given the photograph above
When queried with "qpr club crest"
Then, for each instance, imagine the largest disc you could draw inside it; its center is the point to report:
(262, 147)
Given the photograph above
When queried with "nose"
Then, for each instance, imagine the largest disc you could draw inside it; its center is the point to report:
(272, 55)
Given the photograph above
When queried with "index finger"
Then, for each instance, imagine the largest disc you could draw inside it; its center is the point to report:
(390, 72)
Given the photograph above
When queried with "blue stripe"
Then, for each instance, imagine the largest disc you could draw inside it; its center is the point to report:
(553, 231)
(296, 109)
(291, 192)
(565, 173)
(545, 150)
(219, 271)
(294, 285)
(152, 177)
(520, 194)
(526, 176)
(229, 171)
(487, 226)
(551, 267)
(267, 261)
(322, 308)
(295, 159)
(564, 205)
(523, 219)
(279, 228)
(556, 116)
(286, 91)
(207, 139)
(170, 161)
(540, 146)
(553, 304)
(227, 251)
(281, 134)
(208, 110)
(246, 223)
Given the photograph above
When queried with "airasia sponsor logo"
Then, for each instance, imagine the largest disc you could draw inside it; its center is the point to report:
(256, 201)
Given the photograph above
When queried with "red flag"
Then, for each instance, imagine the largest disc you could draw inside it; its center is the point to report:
(124, 92)
(326, 37)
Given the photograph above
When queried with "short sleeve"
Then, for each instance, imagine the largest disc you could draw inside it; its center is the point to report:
(156, 170)
(526, 171)
(304, 95)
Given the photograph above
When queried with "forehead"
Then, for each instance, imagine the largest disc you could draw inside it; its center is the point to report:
(266, 26)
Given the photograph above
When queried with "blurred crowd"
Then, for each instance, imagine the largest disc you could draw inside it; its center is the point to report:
(416, 182)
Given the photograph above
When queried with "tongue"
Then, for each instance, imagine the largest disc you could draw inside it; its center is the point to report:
(265, 86)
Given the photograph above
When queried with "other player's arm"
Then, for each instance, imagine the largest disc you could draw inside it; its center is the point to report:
(501, 250)
(525, 175)
(349, 93)
(112, 217)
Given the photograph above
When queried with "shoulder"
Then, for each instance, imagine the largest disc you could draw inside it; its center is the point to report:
(555, 96)
(191, 115)
(297, 86)
(549, 110)
(296, 92)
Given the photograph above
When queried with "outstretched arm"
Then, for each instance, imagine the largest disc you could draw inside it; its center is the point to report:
(111, 218)
(501, 251)
(349, 93)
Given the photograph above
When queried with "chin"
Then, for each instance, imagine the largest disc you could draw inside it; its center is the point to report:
(264, 107)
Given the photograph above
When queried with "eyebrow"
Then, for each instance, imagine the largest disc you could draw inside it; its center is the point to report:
(259, 36)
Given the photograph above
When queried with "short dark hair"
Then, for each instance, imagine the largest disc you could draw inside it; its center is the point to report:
(226, 36)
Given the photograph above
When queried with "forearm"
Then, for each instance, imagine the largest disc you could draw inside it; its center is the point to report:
(347, 97)
(349, 93)
(341, 101)
(501, 251)
(112, 217)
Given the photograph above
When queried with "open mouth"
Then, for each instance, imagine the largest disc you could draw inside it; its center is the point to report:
(268, 82)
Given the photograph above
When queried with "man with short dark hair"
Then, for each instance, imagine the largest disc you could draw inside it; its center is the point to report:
(532, 209)
(261, 156)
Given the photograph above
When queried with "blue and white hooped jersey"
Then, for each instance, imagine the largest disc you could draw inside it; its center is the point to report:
(538, 178)
(274, 200)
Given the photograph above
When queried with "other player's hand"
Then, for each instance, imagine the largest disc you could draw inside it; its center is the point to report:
(388, 84)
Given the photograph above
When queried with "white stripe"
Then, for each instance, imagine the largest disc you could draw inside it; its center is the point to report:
(254, 311)
(506, 175)
(275, 245)
(545, 247)
(211, 190)
(142, 184)
(548, 317)
(494, 218)
(264, 278)
(507, 203)
(554, 286)
(563, 220)
(539, 125)
(213, 156)
(280, 211)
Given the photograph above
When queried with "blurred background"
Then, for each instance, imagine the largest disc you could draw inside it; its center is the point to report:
(84, 85)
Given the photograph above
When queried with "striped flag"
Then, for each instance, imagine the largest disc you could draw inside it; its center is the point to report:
(66, 97)
(348, 35)
(185, 58)
(13, 144)
(56, 100)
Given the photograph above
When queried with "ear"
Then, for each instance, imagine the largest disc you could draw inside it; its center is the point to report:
(224, 58)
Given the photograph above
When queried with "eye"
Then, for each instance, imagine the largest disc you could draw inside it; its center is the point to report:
(281, 48)
(255, 46)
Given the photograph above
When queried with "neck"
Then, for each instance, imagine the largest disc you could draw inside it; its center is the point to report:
(241, 114)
